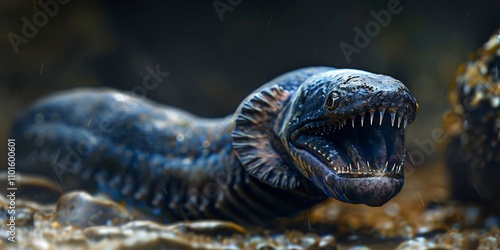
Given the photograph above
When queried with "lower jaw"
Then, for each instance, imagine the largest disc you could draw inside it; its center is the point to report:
(371, 191)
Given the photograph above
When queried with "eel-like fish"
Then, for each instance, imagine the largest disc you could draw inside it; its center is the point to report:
(473, 127)
(307, 135)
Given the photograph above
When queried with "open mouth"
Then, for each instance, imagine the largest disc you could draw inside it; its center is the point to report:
(368, 144)
(358, 159)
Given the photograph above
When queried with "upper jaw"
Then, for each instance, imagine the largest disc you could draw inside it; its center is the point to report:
(366, 117)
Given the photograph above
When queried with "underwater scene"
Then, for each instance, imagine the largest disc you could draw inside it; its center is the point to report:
(233, 124)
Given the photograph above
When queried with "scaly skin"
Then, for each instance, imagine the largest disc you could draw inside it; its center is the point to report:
(307, 135)
(473, 127)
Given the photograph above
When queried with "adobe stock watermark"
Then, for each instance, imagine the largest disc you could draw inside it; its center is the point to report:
(69, 159)
(209, 191)
(40, 19)
(427, 147)
(148, 84)
(222, 6)
(11, 189)
(372, 29)
(73, 69)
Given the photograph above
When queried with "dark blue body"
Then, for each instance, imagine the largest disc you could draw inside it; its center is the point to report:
(160, 159)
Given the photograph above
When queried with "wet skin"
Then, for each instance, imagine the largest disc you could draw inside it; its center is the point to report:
(307, 135)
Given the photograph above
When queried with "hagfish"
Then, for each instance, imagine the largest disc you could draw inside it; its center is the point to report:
(307, 135)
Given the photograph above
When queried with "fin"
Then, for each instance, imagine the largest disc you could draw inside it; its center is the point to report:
(253, 137)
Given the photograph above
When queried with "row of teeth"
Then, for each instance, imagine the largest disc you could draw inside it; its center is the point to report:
(349, 169)
(395, 121)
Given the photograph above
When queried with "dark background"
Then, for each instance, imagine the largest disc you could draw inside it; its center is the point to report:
(213, 64)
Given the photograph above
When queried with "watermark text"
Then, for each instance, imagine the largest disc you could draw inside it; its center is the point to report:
(40, 19)
(362, 38)
(11, 189)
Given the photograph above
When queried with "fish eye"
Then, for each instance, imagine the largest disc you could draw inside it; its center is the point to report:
(332, 101)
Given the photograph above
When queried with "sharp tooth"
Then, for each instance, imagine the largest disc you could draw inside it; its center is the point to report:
(350, 167)
(352, 120)
(372, 113)
(393, 166)
(405, 123)
(362, 120)
(393, 117)
(385, 167)
(382, 112)
(399, 120)
(359, 169)
(368, 164)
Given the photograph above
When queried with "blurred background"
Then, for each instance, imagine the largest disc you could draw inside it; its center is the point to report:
(206, 56)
